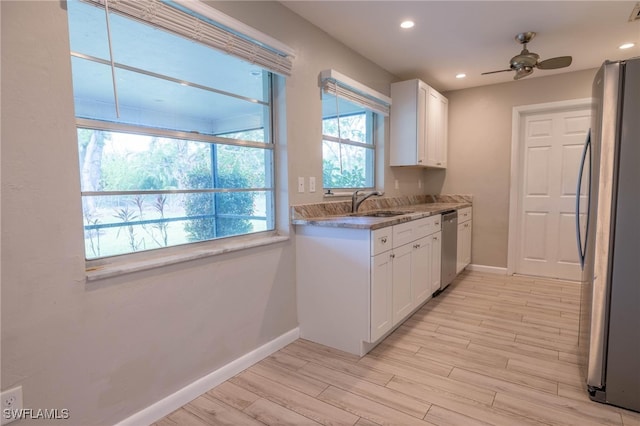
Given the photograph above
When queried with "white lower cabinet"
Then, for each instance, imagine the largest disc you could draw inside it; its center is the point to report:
(356, 285)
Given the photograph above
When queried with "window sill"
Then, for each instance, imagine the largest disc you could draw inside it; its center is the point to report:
(101, 272)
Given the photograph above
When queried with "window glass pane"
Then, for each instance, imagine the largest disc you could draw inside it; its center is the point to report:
(143, 46)
(352, 127)
(155, 102)
(120, 224)
(117, 161)
(346, 166)
(87, 29)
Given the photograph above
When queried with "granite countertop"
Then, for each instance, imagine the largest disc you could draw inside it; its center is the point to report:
(334, 215)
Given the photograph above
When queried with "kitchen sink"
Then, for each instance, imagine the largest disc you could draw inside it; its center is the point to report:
(383, 213)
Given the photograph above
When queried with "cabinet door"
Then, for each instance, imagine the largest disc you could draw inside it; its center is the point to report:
(460, 249)
(381, 295)
(437, 129)
(466, 252)
(423, 124)
(402, 288)
(463, 257)
(436, 261)
(421, 269)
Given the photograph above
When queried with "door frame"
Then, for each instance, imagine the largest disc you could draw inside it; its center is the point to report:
(519, 113)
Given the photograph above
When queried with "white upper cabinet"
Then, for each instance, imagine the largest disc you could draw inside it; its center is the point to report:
(419, 120)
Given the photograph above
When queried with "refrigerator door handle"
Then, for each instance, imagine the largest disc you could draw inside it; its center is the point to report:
(582, 245)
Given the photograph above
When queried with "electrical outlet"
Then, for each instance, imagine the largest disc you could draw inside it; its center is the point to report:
(312, 184)
(300, 184)
(11, 401)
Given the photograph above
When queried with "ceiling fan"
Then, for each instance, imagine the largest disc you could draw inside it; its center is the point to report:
(524, 63)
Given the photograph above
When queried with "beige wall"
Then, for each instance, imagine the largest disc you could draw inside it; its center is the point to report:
(107, 350)
(480, 151)
(315, 51)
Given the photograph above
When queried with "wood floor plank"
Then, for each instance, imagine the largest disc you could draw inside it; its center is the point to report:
(410, 360)
(233, 395)
(563, 372)
(271, 413)
(368, 409)
(183, 417)
(376, 393)
(353, 368)
(293, 400)
(287, 361)
(630, 418)
(458, 404)
(546, 414)
(365, 422)
(443, 417)
(213, 412)
(514, 349)
(273, 371)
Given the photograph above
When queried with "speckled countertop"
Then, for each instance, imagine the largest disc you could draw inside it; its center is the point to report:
(337, 214)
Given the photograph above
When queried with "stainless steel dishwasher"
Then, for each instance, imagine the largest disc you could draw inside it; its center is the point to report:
(449, 248)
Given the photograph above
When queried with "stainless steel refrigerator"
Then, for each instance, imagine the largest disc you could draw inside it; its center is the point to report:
(608, 230)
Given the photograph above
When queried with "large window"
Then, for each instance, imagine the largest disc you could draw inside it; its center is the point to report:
(174, 137)
(352, 116)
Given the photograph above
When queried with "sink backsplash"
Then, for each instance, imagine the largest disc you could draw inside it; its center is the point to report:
(337, 208)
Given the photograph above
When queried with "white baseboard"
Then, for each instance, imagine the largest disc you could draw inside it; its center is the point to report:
(176, 400)
(488, 269)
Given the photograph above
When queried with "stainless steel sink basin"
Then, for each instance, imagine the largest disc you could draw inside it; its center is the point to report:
(383, 213)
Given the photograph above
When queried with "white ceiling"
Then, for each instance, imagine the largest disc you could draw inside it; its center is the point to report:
(472, 37)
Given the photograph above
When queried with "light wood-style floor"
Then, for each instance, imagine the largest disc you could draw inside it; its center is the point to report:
(489, 350)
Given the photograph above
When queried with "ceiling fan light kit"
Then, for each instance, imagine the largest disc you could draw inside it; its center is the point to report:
(524, 63)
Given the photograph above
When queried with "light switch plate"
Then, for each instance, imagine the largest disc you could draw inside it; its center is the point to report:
(301, 184)
(312, 184)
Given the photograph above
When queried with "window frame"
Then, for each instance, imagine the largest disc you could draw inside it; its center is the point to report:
(347, 89)
(269, 188)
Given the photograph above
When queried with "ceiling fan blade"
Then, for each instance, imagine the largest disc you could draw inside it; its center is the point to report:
(493, 72)
(555, 63)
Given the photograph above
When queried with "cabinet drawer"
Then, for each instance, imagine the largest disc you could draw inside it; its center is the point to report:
(381, 240)
(404, 233)
(427, 226)
(464, 214)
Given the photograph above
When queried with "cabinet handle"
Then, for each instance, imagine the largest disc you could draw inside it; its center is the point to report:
(439, 164)
(392, 256)
(383, 240)
(466, 225)
(419, 161)
(435, 238)
(416, 246)
(437, 223)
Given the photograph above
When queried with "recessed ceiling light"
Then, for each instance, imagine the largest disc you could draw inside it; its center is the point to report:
(626, 46)
(461, 75)
(407, 24)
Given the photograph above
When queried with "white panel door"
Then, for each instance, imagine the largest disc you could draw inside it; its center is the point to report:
(551, 150)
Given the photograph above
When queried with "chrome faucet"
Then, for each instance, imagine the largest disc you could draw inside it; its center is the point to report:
(355, 203)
